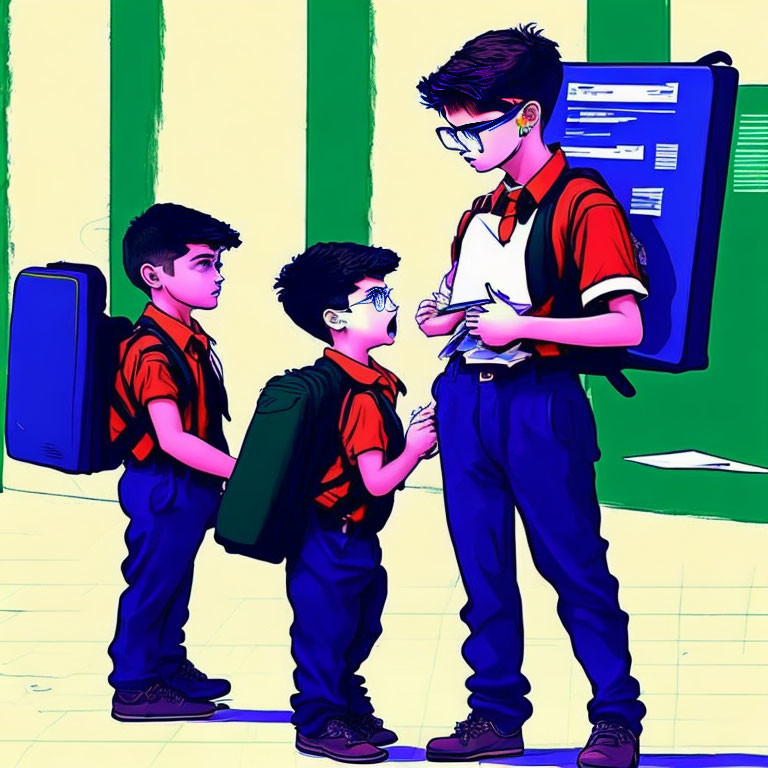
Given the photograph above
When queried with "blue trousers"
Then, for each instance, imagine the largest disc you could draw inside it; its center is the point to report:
(526, 439)
(337, 588)
(169, 508)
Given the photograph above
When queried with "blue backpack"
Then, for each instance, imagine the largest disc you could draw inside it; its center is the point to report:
(63, 359)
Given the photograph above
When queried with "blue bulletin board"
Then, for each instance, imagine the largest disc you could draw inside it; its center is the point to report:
(660, 136)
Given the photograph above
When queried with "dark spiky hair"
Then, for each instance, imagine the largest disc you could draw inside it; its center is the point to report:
(508, 63)
(160, 235)
(324, 276)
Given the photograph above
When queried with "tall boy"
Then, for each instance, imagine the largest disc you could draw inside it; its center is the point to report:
(515, 426)
(336, 584)
(168, 408)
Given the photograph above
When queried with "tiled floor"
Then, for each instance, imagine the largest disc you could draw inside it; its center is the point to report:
(697, 591)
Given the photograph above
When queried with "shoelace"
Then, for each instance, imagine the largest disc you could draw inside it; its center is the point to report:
(471, 728)
(336, 728)
(611, 734)
(190, 672)
(164, 692)
(369, 724)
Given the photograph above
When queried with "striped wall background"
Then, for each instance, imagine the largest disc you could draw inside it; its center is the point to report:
(299, 122)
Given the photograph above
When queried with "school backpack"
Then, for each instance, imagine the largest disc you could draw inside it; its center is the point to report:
(63, 358)
(563, 290)
(660, 135)
(292, 441)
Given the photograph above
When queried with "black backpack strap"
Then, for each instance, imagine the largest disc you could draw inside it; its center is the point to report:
(180, 370)
(216, 372)
(357, 494)
(346, 409)
(544, 278)
(140, 424)
(545, 281)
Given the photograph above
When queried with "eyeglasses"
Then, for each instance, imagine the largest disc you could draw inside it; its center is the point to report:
(379, 297)
(466, 138)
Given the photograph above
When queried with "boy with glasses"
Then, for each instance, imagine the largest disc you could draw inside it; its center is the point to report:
(543, 270)
(336, 583)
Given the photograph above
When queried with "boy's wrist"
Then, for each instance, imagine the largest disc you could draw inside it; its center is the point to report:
(412, 452)
(527, 326)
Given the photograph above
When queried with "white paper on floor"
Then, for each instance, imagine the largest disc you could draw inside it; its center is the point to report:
(694, 460)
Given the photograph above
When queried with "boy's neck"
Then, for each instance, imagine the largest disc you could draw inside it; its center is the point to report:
(357, 352)
(173, 308)
(523, 166)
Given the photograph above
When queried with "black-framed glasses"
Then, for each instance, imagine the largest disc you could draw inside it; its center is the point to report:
(379, 297)
(466, 138)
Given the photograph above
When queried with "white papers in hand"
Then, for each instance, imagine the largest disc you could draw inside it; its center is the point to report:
(694, 460)
(484, 259)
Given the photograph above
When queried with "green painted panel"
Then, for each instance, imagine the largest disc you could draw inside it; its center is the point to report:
(5, 277)
(340, 97)
(628, 30)
(136, 53)
(723, 410)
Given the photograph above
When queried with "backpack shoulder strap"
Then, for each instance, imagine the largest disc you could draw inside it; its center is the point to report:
(180, 369)
(350, 391)
(482, 204)
(138, 424)
(546, 279)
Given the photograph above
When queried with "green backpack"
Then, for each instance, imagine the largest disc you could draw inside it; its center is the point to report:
(291, 442)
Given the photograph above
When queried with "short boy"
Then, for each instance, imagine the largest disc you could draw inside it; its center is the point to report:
(336, 584)
(168, 408)
(515, 426)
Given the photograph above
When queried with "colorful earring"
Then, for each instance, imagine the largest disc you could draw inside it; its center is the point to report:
(525, 130)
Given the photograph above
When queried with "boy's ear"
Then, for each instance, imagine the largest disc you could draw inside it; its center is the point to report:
(334, 319)
(530, 115)
(149, 275)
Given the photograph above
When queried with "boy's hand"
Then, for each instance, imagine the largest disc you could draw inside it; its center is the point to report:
(423, 413)
(432, 324)
(497, 324)
(421, 437)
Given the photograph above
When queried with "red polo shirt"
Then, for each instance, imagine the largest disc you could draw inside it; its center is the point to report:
(145, 375)
(363, 429)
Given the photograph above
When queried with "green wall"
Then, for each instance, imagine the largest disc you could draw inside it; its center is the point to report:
(340, 93)
(627, 30)
(136, 61)
(5, 276)
(723, 410)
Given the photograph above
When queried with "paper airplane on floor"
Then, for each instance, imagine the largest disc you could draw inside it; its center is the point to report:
(694, 460)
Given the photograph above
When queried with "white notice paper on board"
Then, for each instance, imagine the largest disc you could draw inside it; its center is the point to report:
(627, 92)
(694, 460)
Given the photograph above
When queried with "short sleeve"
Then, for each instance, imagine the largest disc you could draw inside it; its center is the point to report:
(364, 427)
(444, 292)
(604, 253)
(153, 379)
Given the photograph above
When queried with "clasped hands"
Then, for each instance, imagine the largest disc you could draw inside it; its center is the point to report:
(497, 324)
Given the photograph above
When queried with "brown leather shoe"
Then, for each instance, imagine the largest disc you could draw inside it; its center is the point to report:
(342, 743)
(196, 685)
(372, 729)
(611, 745)
(475, 739)
(158, 702)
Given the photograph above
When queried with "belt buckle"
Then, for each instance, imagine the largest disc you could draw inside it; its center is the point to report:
(486, 375)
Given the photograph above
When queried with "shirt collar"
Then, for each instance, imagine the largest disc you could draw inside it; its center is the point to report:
(180, 333)
(367, 375)
(540, 183)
